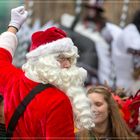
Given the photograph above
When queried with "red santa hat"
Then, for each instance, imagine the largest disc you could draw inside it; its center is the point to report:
(52, 40)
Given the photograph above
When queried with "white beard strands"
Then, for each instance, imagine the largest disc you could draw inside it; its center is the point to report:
(47, 70)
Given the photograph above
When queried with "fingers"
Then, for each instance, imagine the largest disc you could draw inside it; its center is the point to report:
(18, 17)
(25, 13)
(20, 9)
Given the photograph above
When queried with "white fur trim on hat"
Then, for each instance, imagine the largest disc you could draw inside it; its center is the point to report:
(58, 46)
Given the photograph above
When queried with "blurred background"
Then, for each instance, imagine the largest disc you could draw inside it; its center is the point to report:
(46, 10)
(95, 50)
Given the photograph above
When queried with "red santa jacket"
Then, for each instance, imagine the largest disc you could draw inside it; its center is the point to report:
(48, 116)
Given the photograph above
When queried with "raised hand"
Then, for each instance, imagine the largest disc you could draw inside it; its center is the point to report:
(18, 17)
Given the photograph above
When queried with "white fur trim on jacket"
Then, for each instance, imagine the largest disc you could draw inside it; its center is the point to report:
(58, 46)
(8, 41)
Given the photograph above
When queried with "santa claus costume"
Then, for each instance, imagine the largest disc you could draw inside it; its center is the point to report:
(50, 114)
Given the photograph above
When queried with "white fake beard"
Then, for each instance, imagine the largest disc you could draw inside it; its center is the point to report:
(70, 80)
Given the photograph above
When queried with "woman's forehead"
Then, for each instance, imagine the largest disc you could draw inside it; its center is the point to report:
(96, 97)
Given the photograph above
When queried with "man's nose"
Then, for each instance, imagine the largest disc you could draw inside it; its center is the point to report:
(67, 63)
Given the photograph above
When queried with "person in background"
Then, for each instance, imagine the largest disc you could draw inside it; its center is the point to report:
(94, 25)
(127, 51)
(52, 59)
(109, 123)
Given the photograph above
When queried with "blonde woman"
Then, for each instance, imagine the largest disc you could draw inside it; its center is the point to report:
(109, 123)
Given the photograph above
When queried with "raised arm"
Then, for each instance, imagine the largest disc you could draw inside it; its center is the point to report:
(8, 44)
(8, 39)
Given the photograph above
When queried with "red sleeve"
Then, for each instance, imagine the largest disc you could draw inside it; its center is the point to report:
(7, 70)
(5, 55)
(60, 125)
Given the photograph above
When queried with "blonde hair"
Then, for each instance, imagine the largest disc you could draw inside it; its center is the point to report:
(119, 128)
(46, 69)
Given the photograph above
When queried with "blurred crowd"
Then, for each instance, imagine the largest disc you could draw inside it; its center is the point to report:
(115, 56)
(114, 60)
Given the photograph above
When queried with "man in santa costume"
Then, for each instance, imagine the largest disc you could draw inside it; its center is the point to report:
(52, 59)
